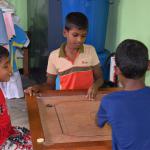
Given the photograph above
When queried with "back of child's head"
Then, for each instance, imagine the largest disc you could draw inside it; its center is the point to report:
(3, 53)
(76, 20)
(132, 58)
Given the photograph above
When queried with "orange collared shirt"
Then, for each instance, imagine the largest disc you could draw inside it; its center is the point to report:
(77, 74)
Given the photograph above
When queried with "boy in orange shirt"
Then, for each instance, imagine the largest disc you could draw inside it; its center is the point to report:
(76, 63)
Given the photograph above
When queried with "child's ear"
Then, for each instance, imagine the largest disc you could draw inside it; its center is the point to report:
(65, 33)
(118, 71)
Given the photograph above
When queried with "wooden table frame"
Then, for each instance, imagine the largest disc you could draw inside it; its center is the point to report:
(37, 131)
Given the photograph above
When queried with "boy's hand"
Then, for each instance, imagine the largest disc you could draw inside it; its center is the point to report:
(92, 92)
(32, 90)
(98, 78)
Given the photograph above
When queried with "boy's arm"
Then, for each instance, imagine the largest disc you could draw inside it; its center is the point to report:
(51, 71)
(98, 76)
(98, 82)
(102, 115)
(49, 85)
(51, 81)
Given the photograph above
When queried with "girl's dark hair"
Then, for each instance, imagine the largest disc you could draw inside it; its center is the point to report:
(77, 20)
(132, 58)
(3, 52)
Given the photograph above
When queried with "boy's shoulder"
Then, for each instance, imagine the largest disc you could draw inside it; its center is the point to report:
(112, 95)
(119, 95)
(89, 49)
(55, 52)
(111, 99)
(88, 46)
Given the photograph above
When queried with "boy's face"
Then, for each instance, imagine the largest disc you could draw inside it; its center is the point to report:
(75, 37)
(5, 69)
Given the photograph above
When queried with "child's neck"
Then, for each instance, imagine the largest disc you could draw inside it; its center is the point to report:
(71, 53)
(70, 50)
(131, 84)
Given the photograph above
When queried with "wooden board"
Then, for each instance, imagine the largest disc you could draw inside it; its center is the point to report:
(66, 120)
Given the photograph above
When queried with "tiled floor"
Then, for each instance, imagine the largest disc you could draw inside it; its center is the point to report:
(18, 112)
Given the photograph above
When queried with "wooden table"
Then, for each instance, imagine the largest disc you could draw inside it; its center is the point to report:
(66, 121)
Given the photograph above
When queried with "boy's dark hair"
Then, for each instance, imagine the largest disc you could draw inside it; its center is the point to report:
(77, 20)
(132, 58)
(3, 52)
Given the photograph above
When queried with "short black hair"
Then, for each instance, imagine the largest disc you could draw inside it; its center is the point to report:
(3, 52)
(76, 20)
(132, 58)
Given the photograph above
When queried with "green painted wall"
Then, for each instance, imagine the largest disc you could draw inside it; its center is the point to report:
(21, 11)
(129, 19)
